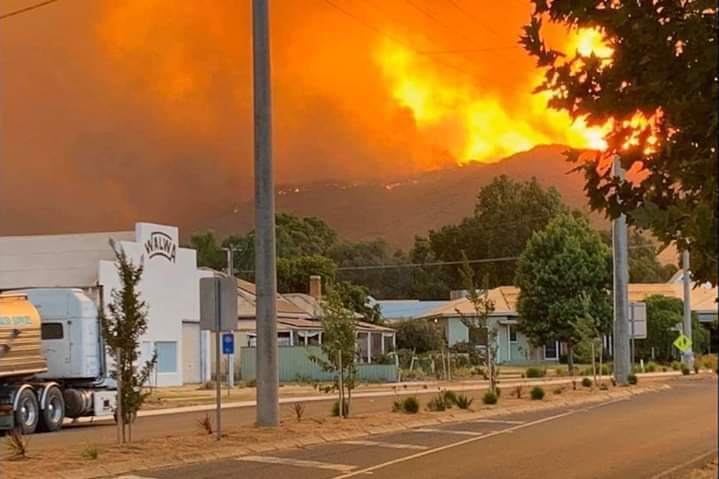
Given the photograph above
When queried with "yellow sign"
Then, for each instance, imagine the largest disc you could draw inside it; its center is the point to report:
(683, 343)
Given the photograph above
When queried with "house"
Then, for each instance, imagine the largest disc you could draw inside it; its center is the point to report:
(514, 347)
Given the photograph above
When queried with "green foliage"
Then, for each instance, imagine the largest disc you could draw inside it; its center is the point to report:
(408, 405)
(664, 316)
(419, 335)
(537, 393)
(339, 332)
(586, 382)
(563, 267)
(122, 328)
(450, 397)
(463, 401)
(356, 298)
(632, 379)
(506, 214)
(676, 366)
(534, 373)
(685, 370)
(91, 453)
(490, 398)
(437, 403)
(654, 43)
(558, 390)
(650, 367)
(336, 407)
(293, 274)
(209, 252)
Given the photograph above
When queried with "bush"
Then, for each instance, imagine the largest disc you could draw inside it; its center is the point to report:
(489, 398)
(586, 382)
(603, 387)
(537, 393)
(534, 373)
(91, 453)
(709, 361)
(676, 366)
(437, 403)
(408, 405)
(651, 367)
(632, 378)
(336, 407)
(517, 392)
(299, 409)
(607, 369)
(558, 390)
(463, 402)
(17, 444)
(450, 397)
(206, 424)
(685, 370)
(559, 372)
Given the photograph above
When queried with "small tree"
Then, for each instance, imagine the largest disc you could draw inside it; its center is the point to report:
(339, 345)
(122, 329)
(483, 307)
(590, 337)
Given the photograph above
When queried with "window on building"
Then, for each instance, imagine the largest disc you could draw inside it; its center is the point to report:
(551, 350)
(166, 356)
(51, 331)
(478, 336)
(512, 334)
(388, 343)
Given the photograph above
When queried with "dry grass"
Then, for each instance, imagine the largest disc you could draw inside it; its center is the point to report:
(17, 445)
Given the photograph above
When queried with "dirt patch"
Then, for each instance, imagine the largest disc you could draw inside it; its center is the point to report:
(708, 471)
(91, 460)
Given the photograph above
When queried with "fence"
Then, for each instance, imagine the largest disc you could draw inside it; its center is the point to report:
(295, 365)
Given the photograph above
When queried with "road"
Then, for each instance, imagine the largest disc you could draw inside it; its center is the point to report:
(651, 436)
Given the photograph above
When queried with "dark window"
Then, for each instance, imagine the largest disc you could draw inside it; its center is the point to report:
(51, 331)
(512, 334)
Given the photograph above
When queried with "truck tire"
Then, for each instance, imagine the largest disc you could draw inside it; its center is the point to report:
(27, 414)
(54, 413)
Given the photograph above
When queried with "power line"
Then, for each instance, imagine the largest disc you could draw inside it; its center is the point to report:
(26, 9)
(473, 18)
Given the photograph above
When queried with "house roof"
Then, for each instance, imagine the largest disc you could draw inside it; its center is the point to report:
(505, 299)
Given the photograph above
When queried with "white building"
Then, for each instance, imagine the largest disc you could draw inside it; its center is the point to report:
(169, 285)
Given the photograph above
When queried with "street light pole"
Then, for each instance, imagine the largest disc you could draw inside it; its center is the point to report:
(622, 360)
(265, 254)
(688, 356)
(231, 357)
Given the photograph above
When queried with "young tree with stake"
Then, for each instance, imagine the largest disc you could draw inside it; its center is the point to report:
(122, 329)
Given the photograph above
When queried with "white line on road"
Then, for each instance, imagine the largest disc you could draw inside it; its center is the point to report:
(448, 431)
(684, 464)
(498, 421)
(369, 470)
(287, 461)
(390, 445)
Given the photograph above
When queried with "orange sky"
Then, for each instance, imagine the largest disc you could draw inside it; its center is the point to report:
(110, 108)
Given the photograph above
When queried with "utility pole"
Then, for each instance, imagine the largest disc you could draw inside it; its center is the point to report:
(268, 412)
(622, 360)
(231, 359)
(688, 356)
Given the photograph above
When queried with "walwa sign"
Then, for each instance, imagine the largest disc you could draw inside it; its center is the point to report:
(161, 244)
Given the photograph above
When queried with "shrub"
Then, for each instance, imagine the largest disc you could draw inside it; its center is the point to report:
(537, 393)
(336, 407)
(206, 424)
(676, 366)
(558, 390)
(603, 387)
(685, 370)
(606, 369)
(498, 391)
(90, 453)
(534, 373)
(559, 372)
(574, 384)
(489, 398)
(17, 444)
(463, 402)
(651, 367)
(709, 361)
(437, 403)
(586, 382)
(299, 409)
(664, 369)
(408, 405)
(632, 378)
(450, 397)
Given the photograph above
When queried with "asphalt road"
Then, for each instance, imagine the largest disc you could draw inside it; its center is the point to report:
(657, 435)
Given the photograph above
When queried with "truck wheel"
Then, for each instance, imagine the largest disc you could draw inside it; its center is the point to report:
(27, 413)
(54, 413)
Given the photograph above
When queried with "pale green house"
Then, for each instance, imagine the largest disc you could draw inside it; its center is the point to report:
(512, 346)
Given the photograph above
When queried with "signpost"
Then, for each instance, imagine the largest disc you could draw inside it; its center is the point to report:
(228, 349)
(218, 312)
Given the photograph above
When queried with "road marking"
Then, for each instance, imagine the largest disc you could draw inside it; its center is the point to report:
(449, 431)
(498, 421)
(684, 464)
(369, 470)
(390, 445)
(287, 461)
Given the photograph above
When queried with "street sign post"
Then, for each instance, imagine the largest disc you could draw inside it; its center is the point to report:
(218, 312)
(228, 349)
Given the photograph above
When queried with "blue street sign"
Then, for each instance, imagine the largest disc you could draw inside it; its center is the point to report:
(228, 343)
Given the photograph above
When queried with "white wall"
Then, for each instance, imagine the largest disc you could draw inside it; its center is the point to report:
(170, 286)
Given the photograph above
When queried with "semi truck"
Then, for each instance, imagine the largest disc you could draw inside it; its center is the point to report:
(52, 360)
